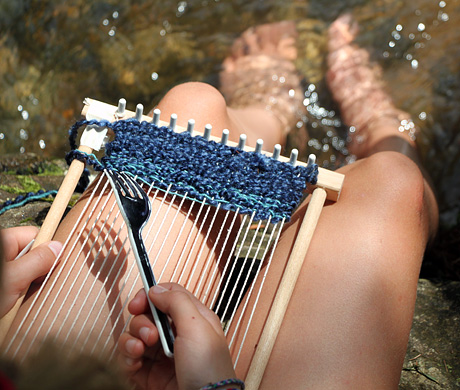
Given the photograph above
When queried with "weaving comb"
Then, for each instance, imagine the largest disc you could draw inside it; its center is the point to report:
(328, 186)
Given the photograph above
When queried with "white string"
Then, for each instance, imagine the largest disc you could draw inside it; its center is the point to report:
(189, 237)
(127, 299)
(88, 273)
(224, 271)
(38, 312)
(63, 283)
(203, 244)
(184, 223)
(222, 251)
(248, 273)
(236, 255)
(208, 262)
(97, 298)
(197, 237)
(258, 295)
(57, 261)
(95, 279)
(95, 322)
(235, 285)
(172, 223)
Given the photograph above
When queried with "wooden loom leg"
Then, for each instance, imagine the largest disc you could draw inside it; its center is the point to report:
(50, 225)
(284, 293)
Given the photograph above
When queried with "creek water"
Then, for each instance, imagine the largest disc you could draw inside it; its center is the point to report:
(56, 53)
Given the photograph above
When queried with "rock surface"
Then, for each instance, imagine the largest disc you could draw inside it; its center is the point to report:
(433, 353)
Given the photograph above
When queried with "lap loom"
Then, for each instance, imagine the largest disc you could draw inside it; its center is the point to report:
(218, 209)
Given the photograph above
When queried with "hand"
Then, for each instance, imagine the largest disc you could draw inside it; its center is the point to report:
(201, 355)
(17, 275)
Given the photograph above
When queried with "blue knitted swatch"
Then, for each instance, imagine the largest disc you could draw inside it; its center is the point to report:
(204, 170)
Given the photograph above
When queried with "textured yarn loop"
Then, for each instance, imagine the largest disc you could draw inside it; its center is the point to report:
(207, 171)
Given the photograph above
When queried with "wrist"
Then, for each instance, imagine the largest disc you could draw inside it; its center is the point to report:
(227, 384)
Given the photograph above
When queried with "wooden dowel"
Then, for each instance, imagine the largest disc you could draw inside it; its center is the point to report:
(284, 293)
(49, 226)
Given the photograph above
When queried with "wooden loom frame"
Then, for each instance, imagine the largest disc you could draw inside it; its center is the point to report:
(328, 187)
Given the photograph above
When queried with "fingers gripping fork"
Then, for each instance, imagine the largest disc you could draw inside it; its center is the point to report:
(135, 207)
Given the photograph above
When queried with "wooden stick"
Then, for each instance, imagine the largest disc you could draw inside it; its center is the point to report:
(284, 293)
(49, 226)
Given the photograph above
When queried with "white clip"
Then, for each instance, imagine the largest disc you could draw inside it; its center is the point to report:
(95, 136)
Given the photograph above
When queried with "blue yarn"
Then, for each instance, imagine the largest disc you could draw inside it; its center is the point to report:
(206, 171)
(21, 200)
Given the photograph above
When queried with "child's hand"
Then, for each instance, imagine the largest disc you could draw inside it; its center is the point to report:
(17, 275)
(201, 355)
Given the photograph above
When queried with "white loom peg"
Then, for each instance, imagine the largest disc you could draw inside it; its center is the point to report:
(242, 141)
(207, 132)
(276, 152)
(259, 144)
(120, 113)
(293, 157)
(173, 121)
(225, 134)
(156, 116)
(311, 160)
(190, 126)
(139, 112)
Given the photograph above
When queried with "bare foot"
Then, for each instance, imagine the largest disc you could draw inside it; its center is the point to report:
(357, 87)
(260, 76)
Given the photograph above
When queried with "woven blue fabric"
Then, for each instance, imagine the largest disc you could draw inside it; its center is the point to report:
(204, 170)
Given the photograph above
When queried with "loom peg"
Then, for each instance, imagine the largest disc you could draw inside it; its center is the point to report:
(173, 121)
(225, 134)
(293, 157)
(259, 144)
(276, 152)
(207, 132)
(311, 160)
(120, 113)
(156, 116)
(139, 112)
(190, 126)
(329, 180)
(242, 141)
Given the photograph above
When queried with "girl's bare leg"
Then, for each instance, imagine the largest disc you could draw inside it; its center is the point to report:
(348, 322)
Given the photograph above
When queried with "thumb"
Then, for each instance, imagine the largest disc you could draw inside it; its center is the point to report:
(38, 262)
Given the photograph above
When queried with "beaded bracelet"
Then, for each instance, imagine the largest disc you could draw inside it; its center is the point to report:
(232, 381)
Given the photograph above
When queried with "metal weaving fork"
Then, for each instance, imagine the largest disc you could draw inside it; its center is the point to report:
(135, 207)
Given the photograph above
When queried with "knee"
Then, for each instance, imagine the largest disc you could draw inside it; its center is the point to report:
(398, 180)
(194, 100)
